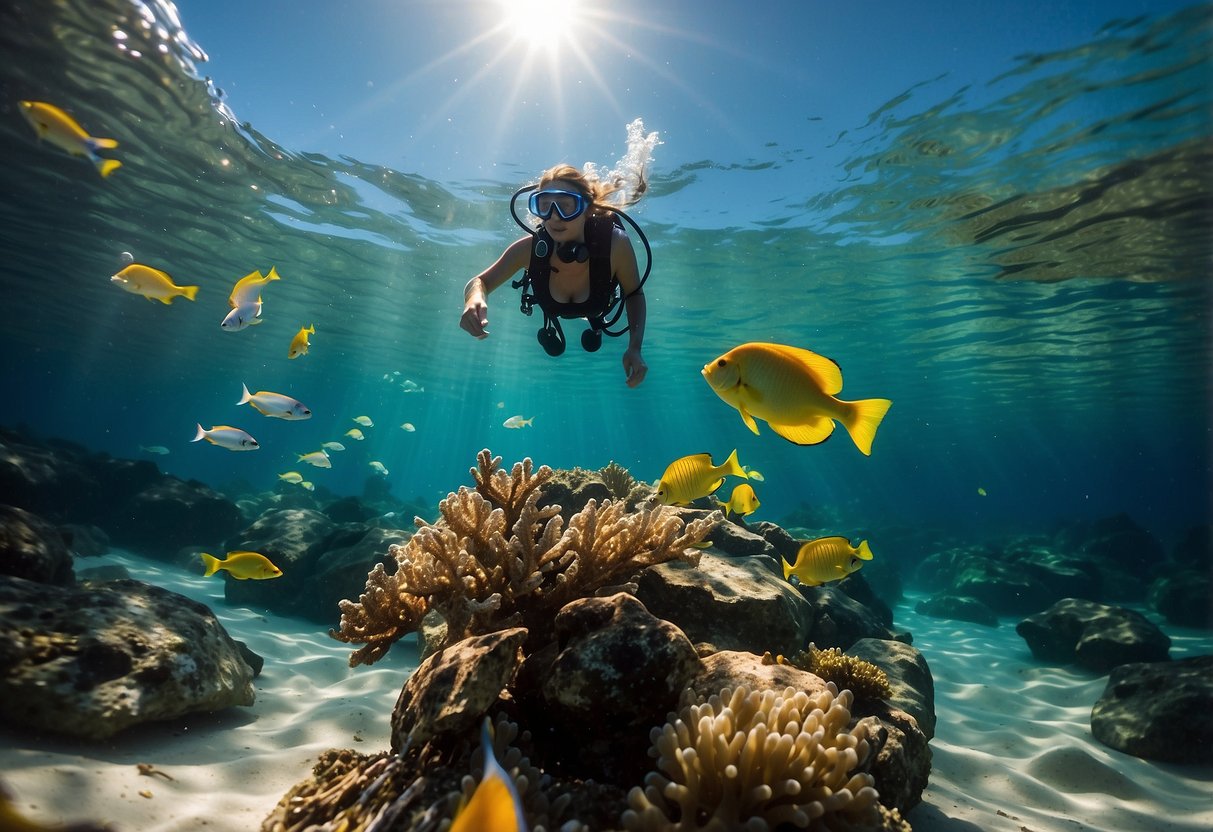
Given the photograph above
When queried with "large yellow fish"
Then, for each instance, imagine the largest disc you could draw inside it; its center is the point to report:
(300, 343)
(691, 477)
(495, 804)
(243, 566)
(793, 390)
(248, 288)
(826, 559)
(743, 500)
(58, 128)
(153, 284)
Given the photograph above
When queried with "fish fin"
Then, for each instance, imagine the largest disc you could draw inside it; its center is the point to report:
(102, 144)
(189, 292)
(748, 419)
(212, 564)
(714, 486)
(168, 301)
(861, 420)
(247, 396)
(257, 320)
(107, 166)
(733, 467)
(787, 568)
(863, 551)
(825, 371)
(810, 433)
(201, 434)
(273, 275)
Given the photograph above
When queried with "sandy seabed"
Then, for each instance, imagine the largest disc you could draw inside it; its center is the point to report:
(1012, 750)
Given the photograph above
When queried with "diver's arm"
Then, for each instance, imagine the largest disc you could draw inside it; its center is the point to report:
(475, 317)
(623, 260)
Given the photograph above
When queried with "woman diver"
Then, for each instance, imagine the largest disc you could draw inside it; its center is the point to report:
(579, 263)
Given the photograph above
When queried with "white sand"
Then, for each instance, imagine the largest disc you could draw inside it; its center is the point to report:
(1013, 749)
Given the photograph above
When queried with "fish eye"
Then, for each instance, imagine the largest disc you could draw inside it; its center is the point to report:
(720, 362)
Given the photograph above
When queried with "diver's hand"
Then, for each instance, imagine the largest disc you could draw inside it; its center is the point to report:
(475, 318)
(634, 366)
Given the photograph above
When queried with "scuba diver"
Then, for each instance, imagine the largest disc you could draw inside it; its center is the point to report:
(579, 263)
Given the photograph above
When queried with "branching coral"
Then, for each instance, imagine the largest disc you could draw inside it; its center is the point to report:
(757, 760)
(618, 479)
(495, 559)
(862, 678)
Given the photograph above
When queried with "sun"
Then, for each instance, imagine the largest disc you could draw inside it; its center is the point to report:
(554, 21)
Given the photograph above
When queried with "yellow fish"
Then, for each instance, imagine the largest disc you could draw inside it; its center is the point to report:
(318, 458)
(242, 566)
(248, 288)
(981, 492)
(691, 477)
(826, 559)
(756, 476)
(307, 486)
(495, 804)
(275, 404)
(153, 284)
(365, 421)
(293, 477)
(300, 343)
(354, 433)
(225, 436)
(58, 128)
(793, 390)
(743, 500)
(379, 467)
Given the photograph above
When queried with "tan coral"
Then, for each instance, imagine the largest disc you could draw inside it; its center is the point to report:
(864, 679)
(757, 760)
(495, 559)
(618, 479)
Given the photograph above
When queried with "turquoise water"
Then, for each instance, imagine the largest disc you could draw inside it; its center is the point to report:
(1019, 260)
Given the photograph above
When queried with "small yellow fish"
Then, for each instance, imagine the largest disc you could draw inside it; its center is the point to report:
(300, 343)
(981, 492)
(242, 565)
(793, 390)
(152, 284)
(756, 476)
(691, 477)
(743, 500)
(293, 477)
(225, 436)
(354, 433)
(495, 804)
(248, 288)
(408, 427)
(318, 458)
(826, 559)
(307, 486)
(275, 404)
(517, 422)
(332, 446)
(379, 467)
(365, 421)
(58, 128)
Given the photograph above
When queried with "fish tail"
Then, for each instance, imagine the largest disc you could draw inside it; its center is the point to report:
(189, 292)
(201, 434)
(212, 564)
(101, 144)
(862, 419)
(244, 399)
(732, 466)
(863, 551)
(311, 330)
(106, 166)
(787, 567)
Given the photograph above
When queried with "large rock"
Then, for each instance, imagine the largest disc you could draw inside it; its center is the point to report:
(173, 513)
(292, 539)
(90, 661)
(1160, 711)
(838, 620)
(909, 677)
(453, 689)
(1096, 636)
(729, 603)
(340, 572)
(33, 549)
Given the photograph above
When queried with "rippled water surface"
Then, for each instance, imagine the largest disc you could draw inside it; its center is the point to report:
(1021, 263)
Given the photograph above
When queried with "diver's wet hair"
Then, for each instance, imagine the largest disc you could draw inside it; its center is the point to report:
(596, 190)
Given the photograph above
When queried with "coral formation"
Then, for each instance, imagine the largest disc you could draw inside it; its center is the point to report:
(618, 479)
(495, 559)
(862, 678)
(757, 760)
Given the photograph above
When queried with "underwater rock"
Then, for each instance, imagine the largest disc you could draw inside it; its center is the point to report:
(292, 539)
(736, 540)
(1119, 541)
(902, 763)
(838, 620)
(450, 692)
(909, 677)
(340, 572)
(1006, 588)
(33, 549)
(173, 513)
(1159, 711)
(1095, 636)
(784, 544)
(957, 608)
(1195, 550)
(936, 571)
(90, 661)
(729, 603)
(348, 510)
(85, 540)
(1185, 598)
(735, 668)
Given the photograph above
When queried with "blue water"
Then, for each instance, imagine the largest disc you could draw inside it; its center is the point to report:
(1020, 261)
